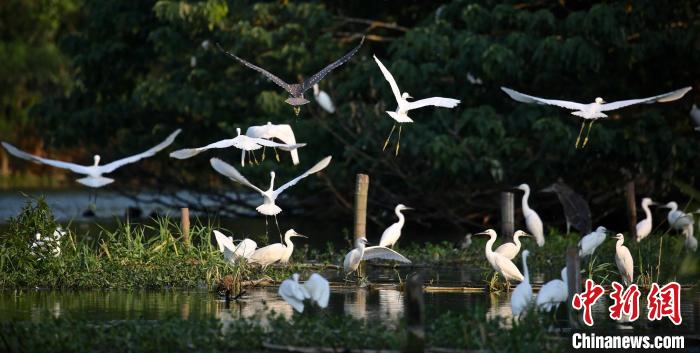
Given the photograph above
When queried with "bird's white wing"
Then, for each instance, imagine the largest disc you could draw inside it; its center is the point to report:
(110, 167)
(435, 101)
(228, 170)
(315, 169)
(291, 292)
(380, 252)
(666, 97)
(223, 241)
(508, 268)
(282, 146)
(191, 152)
(318, 289)
(389, 77)
(283, 132)
(351, 260)
(524, 98)
(245, 248)
(76, 168)
(626, 263)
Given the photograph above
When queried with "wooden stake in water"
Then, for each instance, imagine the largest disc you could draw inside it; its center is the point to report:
(361, 191)
(631, 209)
(415, 333)
(573, 279)
(507, 216)
(185, 225)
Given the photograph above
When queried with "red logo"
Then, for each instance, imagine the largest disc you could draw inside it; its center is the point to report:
(626, 302)
(586, 299)
(665, 302)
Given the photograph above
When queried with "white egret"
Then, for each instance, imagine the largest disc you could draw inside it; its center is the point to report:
(532, 219)
(242, 142)
(624, 261)
(294, 293)
(94, 178)
(244, 249)
(323, 99)
(695, 114)
(318, 289)
(591, 241)
(691, 242)
(465, 242)
(522, 294)
(270, 195)
(363, 252)
(678, 219)
(296, 90)
(499, 262)
(644, 226)
(553, 293)
(401, 113)
(272, 253)
(49, 244)
(594, 111)
(511, 250)
(392, 234)
(269, 131)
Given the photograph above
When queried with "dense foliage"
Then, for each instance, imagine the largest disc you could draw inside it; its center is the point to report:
(143, 68)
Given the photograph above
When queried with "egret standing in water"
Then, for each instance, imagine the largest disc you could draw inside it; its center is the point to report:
(644, 226)
(594, 111)
(624, 261)
(590, 242)
(511, 250)
(499, 262)
(401, 113)
(324, 100)
(316, 289)
(532, 219)
(392, 234)
(553, 293)
(272, 253)
(363, 252)
(522, 295)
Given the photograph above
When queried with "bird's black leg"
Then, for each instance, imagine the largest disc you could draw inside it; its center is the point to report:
(578, 139)
(277, 156)
(398, 142)
(387, 139)
(590, 126)
(263, 154)
(278, 229)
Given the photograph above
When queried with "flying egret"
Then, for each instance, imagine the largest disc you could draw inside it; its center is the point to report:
(576, 210)
(242, 142)
(362, 252)
(294, 293)
(553, 293)
(282, 132)
(591, 241)
(268, 207)
(500, 263)
(272, 253)
(678, 219)
(511, 250)
(401, 113)
(94, 178)
(296, 90)
(594, 111)
(323, 99)
(318, 289)
(522, 294)
(232, 252)
(644, 226)
(391, 235)
(532, 219)
(624, 261)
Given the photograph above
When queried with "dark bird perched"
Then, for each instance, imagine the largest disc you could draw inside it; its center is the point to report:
(296, 90)
(576, 209)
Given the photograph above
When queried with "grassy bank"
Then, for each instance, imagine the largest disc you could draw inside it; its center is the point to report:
(155, 256)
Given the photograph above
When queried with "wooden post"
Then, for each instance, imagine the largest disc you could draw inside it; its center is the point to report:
(361, 187)
(631, 209)
(573, 279)
(507, 216)
(185, 225)
(415, 333)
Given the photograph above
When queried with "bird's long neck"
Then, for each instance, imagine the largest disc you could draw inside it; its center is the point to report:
(647, 211)
(272, 182)
(619, 243)
(526, 196)
(489, 245)
(527, 272)
(361, 248)
(516, 241)
(401, 218)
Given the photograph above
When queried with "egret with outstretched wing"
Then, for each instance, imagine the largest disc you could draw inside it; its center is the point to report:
(282, 132)
(401, 113)
(594, 111)
(232, 252)
(363, 252)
